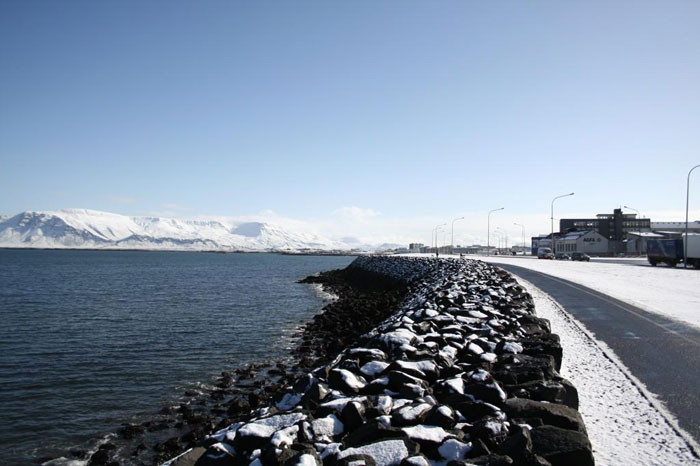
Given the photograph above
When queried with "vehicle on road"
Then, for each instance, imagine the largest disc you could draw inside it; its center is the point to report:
(670, 251)
(562, 256)
(545, 253)
(580, 256)
(693, 250)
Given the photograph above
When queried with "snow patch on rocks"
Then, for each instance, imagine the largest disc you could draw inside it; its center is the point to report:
(451, 376)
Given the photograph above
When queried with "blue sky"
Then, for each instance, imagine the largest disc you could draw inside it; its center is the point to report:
(382, 117)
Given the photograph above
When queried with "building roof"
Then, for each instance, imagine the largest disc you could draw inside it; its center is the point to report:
(576, 234)
(645, 234)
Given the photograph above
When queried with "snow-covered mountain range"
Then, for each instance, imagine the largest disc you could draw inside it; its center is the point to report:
(82, 228)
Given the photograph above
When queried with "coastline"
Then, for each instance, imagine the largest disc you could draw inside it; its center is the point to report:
(462, 371)
(284, 252)
(235, 392)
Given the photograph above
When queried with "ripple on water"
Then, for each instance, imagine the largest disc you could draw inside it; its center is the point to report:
(93, 338)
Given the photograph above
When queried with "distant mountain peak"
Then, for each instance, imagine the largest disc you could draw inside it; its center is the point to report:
(85, 228)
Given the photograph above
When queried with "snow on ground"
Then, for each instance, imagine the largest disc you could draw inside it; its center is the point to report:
(672, 292)
(625, 425)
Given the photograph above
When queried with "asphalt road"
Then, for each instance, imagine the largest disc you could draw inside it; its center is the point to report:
(663, 354)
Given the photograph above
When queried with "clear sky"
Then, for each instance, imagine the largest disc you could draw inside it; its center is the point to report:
(370, 118)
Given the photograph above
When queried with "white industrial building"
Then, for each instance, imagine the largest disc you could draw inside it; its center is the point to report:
(637, 241)
(675, 227)
(590, 242)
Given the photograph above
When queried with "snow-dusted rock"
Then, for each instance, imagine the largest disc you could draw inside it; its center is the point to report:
(456, 371)
(386, 453)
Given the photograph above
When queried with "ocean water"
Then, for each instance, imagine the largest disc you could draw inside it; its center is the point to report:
(92, 339)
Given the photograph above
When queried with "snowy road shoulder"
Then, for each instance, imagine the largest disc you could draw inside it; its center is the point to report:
(674, 293)
(624, 425)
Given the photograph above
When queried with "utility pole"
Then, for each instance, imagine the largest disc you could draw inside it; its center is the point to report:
(488, 231)
(436, 238)
(499, 231)
(639, 238)
(552, 217)
(687, 203)
(452, 240)
(523, 227)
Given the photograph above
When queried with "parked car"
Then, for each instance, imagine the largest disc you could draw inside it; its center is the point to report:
(580, 256)
(561, 256)
(545, 253)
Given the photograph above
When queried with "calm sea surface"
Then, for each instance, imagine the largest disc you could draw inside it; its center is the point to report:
(91, 339)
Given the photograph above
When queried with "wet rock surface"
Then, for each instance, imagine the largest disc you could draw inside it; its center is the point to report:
(462, 372)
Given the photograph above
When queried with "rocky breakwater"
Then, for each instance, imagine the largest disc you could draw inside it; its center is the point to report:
(464, 373)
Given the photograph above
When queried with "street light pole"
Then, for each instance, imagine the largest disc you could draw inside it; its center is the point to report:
(488, 231)
(436, 237)
(631, 208)
(687, 203)
(452, 240)
(523, 227)
(639, 239)
(552, 217)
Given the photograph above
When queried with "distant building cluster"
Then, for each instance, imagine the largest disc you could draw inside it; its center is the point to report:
(609, 234)
(603, 235)
(415, 248)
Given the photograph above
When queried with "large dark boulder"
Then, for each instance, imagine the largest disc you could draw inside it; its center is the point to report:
(490, 431)
(346, 381)
(519, 369)
(562, 447)
(296, 454)
(475, 410)
(544, 344)
(441, 416)
(518, 444)
(371, 432)
(353, 415)
(560, 391)
(489, 393)
(549, 413)
(397, 379)
(410, 415)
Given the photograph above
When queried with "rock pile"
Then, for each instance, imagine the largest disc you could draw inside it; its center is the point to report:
(366, 298)
(464, 373)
